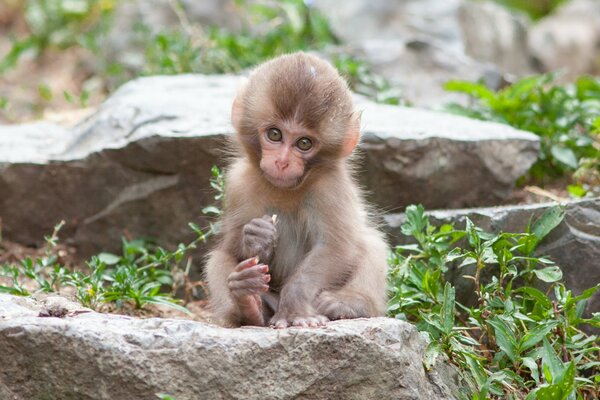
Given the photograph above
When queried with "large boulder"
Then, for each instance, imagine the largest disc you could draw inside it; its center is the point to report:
(569, 39)
(88, 355)
(574, 245)
(493, 33)
(141, 164)
(419, 45)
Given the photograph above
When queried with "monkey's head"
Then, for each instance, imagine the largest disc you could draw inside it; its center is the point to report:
(293, 113)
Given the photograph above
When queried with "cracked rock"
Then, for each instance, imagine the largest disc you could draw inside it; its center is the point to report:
(103, 356)
(141, 164)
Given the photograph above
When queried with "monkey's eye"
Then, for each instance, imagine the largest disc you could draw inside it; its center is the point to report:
(274, 135)
(304, 144)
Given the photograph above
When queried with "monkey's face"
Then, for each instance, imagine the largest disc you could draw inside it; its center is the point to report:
(285, 151)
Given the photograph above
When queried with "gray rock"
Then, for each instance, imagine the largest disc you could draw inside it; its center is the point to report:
(494, 34)
(416, 44)
(569, 39)
(141, 164)
(102, 356)
(574, 245)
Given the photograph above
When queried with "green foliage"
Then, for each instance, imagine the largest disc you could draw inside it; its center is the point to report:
(364, 81)
(536, 9)
(47, 274)
(278, 27)
(564, 117)
(516, 340)
(135, 277)
(60, 24)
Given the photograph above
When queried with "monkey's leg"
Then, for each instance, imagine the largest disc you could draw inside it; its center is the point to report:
(345, 303)
(236, 289)
(365, 294)
(297, 294)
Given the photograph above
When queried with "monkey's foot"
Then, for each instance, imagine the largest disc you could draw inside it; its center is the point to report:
(338, 305)
(313, 321)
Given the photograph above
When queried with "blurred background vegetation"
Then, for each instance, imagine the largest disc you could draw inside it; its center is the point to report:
(57, 55)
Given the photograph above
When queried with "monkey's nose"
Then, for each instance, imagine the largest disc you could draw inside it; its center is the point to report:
(282, 164)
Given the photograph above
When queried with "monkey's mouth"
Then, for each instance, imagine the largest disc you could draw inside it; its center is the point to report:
(284, 183)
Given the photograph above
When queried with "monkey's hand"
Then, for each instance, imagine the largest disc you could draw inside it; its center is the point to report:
(246, 283)
(259, 238)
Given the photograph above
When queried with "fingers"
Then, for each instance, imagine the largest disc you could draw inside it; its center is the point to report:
(249, 278)
(259, 227)
(248, 272)
(248, 263)
(248, 286)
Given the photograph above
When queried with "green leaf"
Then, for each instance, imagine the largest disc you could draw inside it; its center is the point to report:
(549, 220)
(551, 361)
(536, 335)
(108, 258)
(537, 295)
(448, 308)
(549, 274)
(533, 367)
(565, 156)
(551, 392)
(476, 90)
(505, 338)
(416, 220)
(211, 210)
(577, 190)
(432, 352)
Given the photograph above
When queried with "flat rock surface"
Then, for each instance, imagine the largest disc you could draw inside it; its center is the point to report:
(103, 356)
(141, 163)
(574, 245)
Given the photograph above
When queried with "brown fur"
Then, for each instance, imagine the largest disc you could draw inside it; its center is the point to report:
(329, 260)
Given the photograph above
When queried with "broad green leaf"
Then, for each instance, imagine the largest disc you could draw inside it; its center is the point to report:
(551, 361)
(536, 335)
(211, 210)
(431, 354)
(533, 367)
(549, 220)
(567, 380)
(108, 258)
(477, 90)
(416, 220)
(504, 338)
(549, 274)
(565, 156)
(536, 294)
(551, 392)
(576, 190)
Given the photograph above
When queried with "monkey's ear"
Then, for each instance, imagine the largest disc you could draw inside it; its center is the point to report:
(352, 135)
(237, 108)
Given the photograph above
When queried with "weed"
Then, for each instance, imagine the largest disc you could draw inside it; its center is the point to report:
(137, 276)
(60, 24)
(516, 341)
(564, 117)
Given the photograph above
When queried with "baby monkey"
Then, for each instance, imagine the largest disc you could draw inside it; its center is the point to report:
(297, 245)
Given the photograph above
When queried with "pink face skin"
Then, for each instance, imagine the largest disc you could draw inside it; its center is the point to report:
(285, 153)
